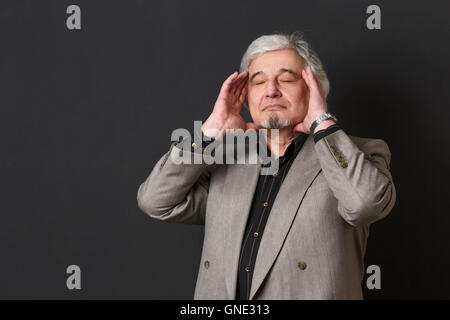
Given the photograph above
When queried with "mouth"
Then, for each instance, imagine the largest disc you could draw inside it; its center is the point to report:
(273, 107)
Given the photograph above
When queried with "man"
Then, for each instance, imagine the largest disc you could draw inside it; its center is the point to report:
(300, 233)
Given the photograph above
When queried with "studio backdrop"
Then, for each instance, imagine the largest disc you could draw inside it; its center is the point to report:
(90, 92)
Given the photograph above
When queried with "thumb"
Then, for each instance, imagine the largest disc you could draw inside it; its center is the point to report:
(250, 125)
(301, 128)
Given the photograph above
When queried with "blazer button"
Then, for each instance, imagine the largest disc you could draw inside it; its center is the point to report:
(206, 264)
(301, 265)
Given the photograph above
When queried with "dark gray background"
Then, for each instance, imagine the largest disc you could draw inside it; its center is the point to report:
(86, 114)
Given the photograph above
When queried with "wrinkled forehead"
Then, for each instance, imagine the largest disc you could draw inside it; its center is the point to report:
(273, 61)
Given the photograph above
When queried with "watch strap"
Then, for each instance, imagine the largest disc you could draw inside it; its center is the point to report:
(324, 116)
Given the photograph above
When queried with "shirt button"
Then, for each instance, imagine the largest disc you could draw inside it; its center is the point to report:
(266, 204)
(256, 234)
(247, 268)
(275, 174)
(206, 264)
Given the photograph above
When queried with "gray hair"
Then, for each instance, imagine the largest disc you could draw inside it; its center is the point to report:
(284, 41)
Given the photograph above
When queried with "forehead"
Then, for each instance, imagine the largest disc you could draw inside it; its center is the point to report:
(271, 61)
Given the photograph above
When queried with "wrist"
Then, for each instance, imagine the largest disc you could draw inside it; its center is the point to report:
(324, 125)
(321, 122)
(212, 128)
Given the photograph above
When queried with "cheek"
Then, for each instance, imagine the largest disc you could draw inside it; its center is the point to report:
(300, 95)
(253, 100)
(252, 95)
(299, 102)
(252, 104)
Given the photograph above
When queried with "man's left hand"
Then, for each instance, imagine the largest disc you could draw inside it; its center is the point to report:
(317, 104)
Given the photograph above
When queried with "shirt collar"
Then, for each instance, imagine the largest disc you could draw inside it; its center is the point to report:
(294, 147)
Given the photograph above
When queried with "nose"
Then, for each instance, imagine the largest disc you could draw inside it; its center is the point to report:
(272, 90)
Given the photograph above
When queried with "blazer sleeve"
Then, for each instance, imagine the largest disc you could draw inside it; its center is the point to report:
(359, 176)
(175, 192)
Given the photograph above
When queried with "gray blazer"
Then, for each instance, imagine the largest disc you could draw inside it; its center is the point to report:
(315, 239)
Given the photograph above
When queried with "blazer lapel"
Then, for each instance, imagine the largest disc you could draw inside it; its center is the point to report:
(302, 173)
(240, 185)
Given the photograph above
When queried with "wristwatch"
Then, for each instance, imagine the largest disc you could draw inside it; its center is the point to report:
(324, 116)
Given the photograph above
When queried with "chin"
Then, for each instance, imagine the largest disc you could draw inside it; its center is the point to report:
(276, 122)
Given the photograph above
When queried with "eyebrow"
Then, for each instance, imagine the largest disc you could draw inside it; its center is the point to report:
(282, 70)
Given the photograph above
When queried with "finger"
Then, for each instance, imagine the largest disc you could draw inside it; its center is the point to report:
(241, 87)
(306, 77)
(250, 125)
(312, 80)
(313, 89)
(238, 82)
(313, 77)
(243, 95)
(235, 84)
(227, 83)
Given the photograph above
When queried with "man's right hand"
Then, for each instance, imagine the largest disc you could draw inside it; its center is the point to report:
(227, 110)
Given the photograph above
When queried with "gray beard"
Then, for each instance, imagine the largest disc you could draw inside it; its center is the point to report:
(274, 122)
